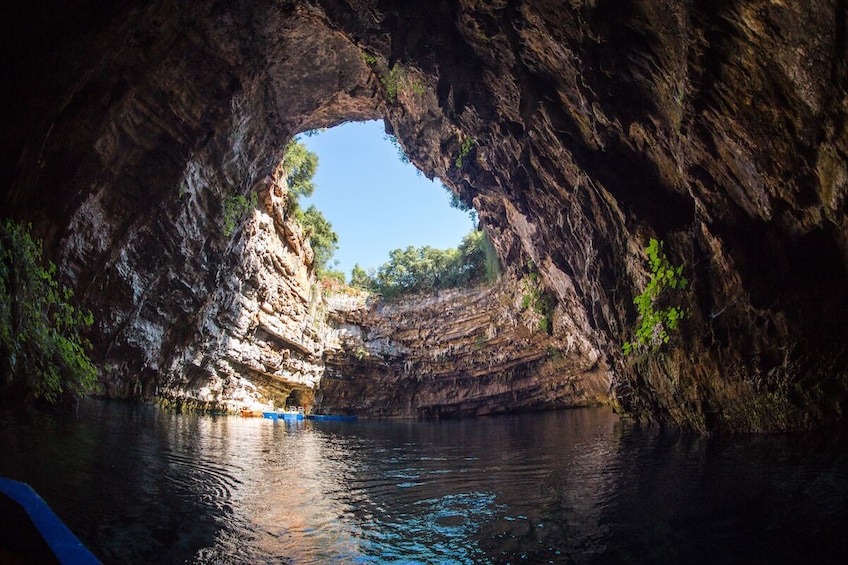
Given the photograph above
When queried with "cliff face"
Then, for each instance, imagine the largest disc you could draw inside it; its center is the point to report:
(578, 130)
(188, 319)
(163, 129)
(258, 337)
(457, 353)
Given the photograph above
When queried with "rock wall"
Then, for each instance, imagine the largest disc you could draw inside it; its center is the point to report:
(211, 324)
(717, 128)
(162, 119)
(259, 336)
(578, 130)
(456, 353)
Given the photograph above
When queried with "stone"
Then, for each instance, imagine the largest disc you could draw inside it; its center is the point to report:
(464, 352)
(591, 127)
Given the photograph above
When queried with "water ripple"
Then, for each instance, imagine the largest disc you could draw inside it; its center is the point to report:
(140, 485)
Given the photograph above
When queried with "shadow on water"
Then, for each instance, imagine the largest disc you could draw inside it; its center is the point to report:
(127, 479)
(141, 485)
(740, 499)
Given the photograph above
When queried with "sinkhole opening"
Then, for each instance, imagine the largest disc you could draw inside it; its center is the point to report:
(376, 222)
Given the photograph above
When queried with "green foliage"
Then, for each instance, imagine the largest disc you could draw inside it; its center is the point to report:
(337, 278)
(370, 59)
(396, 144)
(658, 318)
(464, 150)
(414, 270)
(537, 298)
(396, 79)
(300, 164)
(477, 260)
(236, 206)
(361, 279)
(425, 269)
(42, 350)
(554, 354)
(493, 262)
(457, 202)
(323, 240)
(392, 82)
(417, 87)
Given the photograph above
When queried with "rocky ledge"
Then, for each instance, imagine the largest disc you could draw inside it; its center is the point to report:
(456, 353)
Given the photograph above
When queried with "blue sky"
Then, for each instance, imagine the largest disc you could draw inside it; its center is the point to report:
(375, 202)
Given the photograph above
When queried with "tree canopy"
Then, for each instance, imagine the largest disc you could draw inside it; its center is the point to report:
(301, 165)
(426, 269)
(322, 238)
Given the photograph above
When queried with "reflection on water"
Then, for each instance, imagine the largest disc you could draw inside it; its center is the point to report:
(140, 485)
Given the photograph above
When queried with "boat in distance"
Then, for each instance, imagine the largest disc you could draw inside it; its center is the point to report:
(286, 414)
(299, 413)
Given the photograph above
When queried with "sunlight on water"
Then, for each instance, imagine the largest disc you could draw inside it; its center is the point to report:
(140, 485)
(315, 494)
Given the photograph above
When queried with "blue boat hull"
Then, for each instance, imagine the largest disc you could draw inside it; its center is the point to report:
(282, 416)
(32, 531)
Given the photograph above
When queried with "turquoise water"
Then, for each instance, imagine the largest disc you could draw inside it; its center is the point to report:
(142, 485)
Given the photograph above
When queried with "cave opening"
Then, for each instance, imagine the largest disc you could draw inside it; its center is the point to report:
(376, 199)
(143, 140)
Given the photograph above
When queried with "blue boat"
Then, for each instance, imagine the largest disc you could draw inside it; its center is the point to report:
(332, 417)
(283, 415)
(31, 531)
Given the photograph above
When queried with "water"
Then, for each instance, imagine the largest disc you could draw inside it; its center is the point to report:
(141, 485)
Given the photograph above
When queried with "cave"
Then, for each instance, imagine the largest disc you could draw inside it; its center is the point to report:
(578, 131)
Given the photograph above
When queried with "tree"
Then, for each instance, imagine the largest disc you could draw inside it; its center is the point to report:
(425, 269)
(472, 250)
(42, 350)
(323, 240)
(300, 164)
(360, 279)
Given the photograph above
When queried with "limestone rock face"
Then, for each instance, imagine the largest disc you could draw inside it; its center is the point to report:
(456, 353)
(578, 130)
(166, 122)
(259, 336)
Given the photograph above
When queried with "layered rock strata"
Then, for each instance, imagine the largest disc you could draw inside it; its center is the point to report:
(257, 341)
(456, 353)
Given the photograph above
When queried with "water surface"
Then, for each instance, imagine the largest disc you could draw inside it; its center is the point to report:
(142, 485)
